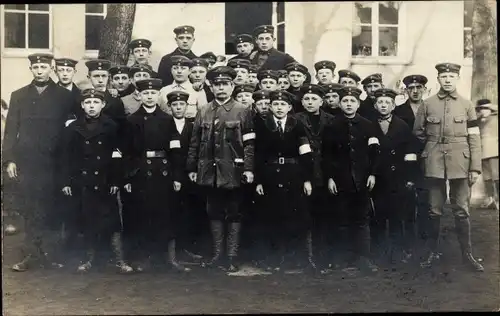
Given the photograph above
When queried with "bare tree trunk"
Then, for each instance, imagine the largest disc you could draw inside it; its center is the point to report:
(116, 33)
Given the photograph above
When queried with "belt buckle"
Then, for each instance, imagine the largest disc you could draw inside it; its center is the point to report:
(281, 160)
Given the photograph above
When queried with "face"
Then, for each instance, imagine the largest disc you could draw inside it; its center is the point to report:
(332, 99)
(252, 79)
(280, 108)
(141, 55)
(245, 98)
(269, 84)
(222, 90)
(41, 71)
(262, 106)
(241, 76)
(244, 49)
(198, 74)
(141, 75)
(296, 78)
(283, 83)
(178, 108)
(371, 87)
(324, 76)
(415, 92)
(180, 73)
(185, 41)
(483, 113)
(92, 106)
(312, 102)
(99, 79)
(265, 41)
(348, 82)
(448, 81)
(150, 97)
(120, 82)
(384, 105)
(349, 105)
(65, 74)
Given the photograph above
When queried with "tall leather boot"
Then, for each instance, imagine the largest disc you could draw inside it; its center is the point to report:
(433, 227)
(462, 226)
(217, 230)
(172, 258)
(233, 243)
(117, 246)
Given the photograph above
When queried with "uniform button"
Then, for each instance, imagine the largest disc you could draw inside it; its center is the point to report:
(148, 162)
(215, 164)
(164, 173)
(164, 161)
(145, 118)
(278, 170)
(352, 149)
(96, 187)
(84, 172)
(96, 173)
(98, 158)
(217, 145)
(99, 142)
(352, 137)
(393, 152)
(149, 173)
(393, 168)
(87, 142)
(280, 185)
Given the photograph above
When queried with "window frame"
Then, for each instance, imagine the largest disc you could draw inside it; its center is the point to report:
(93, 53)
(466, 60)
(24, 52)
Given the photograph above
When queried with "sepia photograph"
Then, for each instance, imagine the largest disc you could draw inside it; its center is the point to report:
(249, 157)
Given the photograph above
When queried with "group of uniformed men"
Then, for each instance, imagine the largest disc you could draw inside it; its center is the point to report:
(313, 172)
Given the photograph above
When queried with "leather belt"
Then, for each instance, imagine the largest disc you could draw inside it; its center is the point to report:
(447, 140)
(156, 154)
(283, 160)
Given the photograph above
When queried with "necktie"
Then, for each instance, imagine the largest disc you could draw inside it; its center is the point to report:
(280, 127)
(384, 124)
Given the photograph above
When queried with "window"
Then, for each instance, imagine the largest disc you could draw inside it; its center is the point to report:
(468, 7)
(27, 26)
(94, 16)
(244, 17)
(376, 29)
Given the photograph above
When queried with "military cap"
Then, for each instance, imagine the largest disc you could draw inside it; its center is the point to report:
(282, 74)
(221, 73)
(98, 64)
(281, 95)
(199, 62)
(313, 88)
(385, 92)
(210, 56)
(352, 91)
(140, 68)
(261, 95)
(296, 67)
(184, 29)
(68, 62)
(243, 88)
(414, 79)
(325, 64)
(448, 67)
(349, 74)
(263, 74)
(119, 70)
(483, 104)
(41, 58)
(149, 84)
(253, 69)
(239, 63)
(179, 60)
(140, 42)
(372, 78)
(263, 29)
(244, 38)
(92, 93)
(332, 87)
(177, 96)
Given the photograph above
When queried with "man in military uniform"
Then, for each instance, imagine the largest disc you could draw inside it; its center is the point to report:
(297, 75)
(268, 80)
(241, 66)
(370, 84)
(325, 72)
(198, 77)
(221, 156)
(283, 80)
(141, 50)
(65, 71)
(446, 124)
(332, 99)
(266, 56)
(184, 37)
(33, 128)
(244, 46)
(348, 78)
(120, 80)
(133, 101)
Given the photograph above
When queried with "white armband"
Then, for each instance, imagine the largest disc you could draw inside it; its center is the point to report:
(304, 149)
(248, 136)
(116, 154)
(66, 124)
(373, 141)
(175, 144)
(473, 130)
(411, 157)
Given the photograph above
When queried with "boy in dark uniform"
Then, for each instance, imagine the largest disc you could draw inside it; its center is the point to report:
(325, 72)
(243, 94)
(261, 104)
(89, 179)
(398, 162)
(283, 80)
(120, 80)
(284, 172)
(332, 99)
(244, 46)
(350, 156)
(348, 78)
(266, 56)
(370, 84)
(297, 74)
(141, 50)
(65, 71)
(268, 80)
(241, 66)
(132, 102)
(252, 76)
(198, 77)
(153, 171)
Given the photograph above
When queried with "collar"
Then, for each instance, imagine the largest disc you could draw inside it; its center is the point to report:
(184, 85)
(49, 82)
(443, 94)
(387, 119)
(130, 89)
(355, 119)
(178, 50)
(181, 120)
(149, 110)
(68, 87)
(217, 103)
(283, 121)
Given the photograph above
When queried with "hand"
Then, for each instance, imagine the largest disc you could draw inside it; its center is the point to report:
(113, 92)
(248, 175)
(128, 187)
(259, 189)
(67, 191)
(113, 190)
(409, 185)
(332, 187)
(193, 176)
(177, 186)
(370, 183)
(473, 175)
(197, 86)
(12, 170)
(308, 188)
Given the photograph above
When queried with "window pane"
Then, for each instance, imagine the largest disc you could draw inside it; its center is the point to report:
(388, 37)
(38, 7)
(468, 6)
(281, 37)
(388, 12)
(94, 8)
(92, 31)
(364, 12)
(15, 30)
(362, 44)
(281, 11)
(38, 26)
(467, 43)
(15, 6)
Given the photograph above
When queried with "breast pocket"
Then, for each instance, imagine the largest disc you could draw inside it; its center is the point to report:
(433, 126)
(460, 125)
(232, 136)
(205, 131)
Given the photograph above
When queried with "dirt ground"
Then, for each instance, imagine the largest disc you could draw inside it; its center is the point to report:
(449, 287)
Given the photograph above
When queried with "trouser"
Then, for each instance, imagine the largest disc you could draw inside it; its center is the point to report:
(224, 204)
(325, 227)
